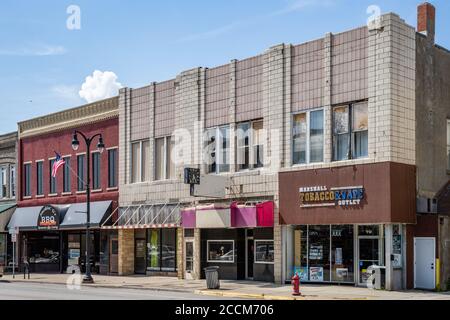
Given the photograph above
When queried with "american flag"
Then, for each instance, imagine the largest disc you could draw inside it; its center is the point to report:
(57, 164)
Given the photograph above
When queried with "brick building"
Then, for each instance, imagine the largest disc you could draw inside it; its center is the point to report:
(325, 138)
(8, 144)
(59, 246)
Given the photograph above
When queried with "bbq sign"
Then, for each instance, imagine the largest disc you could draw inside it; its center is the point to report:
(321, 196)
(48, 218)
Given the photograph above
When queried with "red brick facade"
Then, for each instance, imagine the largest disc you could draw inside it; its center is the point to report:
(43, 147)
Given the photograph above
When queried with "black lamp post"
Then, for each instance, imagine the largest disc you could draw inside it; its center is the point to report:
(101, 147)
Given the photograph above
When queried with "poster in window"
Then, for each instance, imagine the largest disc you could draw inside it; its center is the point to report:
(341, 273)
(302, 273)
(316, 274)
(339, 256)
(316, 252)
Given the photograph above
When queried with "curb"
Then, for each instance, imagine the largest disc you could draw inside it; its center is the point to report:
(231, 294)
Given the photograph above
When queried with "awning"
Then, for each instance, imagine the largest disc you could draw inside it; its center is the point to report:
(6, 211)
(145, 216)
(72, 216)
(75, 217)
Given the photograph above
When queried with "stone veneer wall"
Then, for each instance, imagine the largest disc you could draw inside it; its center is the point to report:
(126, 252)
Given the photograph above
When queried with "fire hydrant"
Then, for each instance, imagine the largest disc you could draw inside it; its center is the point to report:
(296, 285)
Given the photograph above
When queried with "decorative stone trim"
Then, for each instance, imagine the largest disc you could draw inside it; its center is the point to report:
(87, 114)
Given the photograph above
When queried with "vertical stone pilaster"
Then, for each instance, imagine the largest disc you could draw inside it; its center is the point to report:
(180, 253)
(232, 115)
(124, 136)
(327, 85)
(200, 130)
(197, 254)
(126, 252)
(287, 159)
(152, 131)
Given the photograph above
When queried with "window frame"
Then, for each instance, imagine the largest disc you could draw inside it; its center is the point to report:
(252, 165)
(40, 182)
(140, 172)
(166, 172)
(27, 193)
(93, 172)
(3, 175)
(51, 179)
(218, 149)
(12, 181)
(219, 261)
(350, 131)
(255, 245)
(308, 136)
(116, 167)
(66, 166)
(81, 178)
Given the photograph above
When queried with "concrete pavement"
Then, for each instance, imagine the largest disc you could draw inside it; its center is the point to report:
(234, 289)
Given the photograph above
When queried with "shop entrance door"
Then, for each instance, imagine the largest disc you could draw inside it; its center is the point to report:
(140, 265)
(113, 255)
(189, 259)
(369, 255)
(250, 255)
(424, 258)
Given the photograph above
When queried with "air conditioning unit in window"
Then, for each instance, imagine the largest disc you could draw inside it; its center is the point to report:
(426, 205)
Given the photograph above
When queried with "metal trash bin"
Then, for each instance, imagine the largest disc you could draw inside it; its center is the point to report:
(212, 277)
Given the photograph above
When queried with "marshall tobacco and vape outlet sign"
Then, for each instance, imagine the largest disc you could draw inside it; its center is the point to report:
(321, 196)
(48, 218)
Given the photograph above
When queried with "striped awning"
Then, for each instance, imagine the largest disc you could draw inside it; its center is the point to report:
(146, 216)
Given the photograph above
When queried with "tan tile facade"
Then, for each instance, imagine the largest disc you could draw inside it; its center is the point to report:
(361, 64)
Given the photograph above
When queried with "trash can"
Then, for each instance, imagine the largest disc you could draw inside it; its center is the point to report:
(212, 277)
(378, 271)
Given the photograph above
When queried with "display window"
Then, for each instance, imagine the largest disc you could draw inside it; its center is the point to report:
(162, 250)
(221, 251)
(264, 251)
(43, 248)
(324, 253)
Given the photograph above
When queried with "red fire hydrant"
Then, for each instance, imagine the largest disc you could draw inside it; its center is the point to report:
(296, 285)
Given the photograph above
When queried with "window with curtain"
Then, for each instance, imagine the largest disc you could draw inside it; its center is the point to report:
(3, 173)
(27, 180)
(66, 175)
(39, 178)
(170, 167)
(112, 168)
(161, 250)
(224, 149)
(308, 137)
(136, 162)
(258, 144)
(96, 178)
(81, 171)
(53, 189)
(12, 181)
(350, 132)
(209, 150)
(160, 158)
(243, 145)
(145, 161)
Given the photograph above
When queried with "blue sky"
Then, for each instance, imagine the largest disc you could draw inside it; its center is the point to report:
(43, 64)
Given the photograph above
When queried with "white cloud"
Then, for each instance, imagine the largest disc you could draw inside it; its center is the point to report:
(39, 51)
(100, 85)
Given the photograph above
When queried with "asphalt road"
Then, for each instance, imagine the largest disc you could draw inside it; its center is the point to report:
(37, 291)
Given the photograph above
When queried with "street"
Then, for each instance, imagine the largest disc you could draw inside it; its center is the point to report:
(38, 291)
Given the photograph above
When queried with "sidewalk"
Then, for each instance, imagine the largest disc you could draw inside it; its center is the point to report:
(238, 289)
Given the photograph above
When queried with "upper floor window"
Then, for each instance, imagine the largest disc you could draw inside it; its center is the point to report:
(66, 175)
(217, 149)
(81, 170)
(12, 181)
(112, 168)
(350, 131)
(164, 165)
(140, 164)
(40, 178)
(307, 137)
(250, 150)
(96, 177)
(53, 189)
(3, 182)
(27, 180)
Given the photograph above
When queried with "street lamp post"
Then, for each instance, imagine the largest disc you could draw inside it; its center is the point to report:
(100, 146)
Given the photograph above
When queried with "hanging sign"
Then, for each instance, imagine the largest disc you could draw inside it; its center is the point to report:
(321, 196)
(48, 218)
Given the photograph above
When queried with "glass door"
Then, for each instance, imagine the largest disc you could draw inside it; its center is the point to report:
(250, 254)
(369, 251)
(189, 258)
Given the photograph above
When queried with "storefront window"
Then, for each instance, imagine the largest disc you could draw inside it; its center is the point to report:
(221, 251)
(264, 251)
(324, 253)
(162, 249)
(43, 248)
(342, 253)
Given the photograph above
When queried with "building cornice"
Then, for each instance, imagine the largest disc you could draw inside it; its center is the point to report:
(71, 118)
